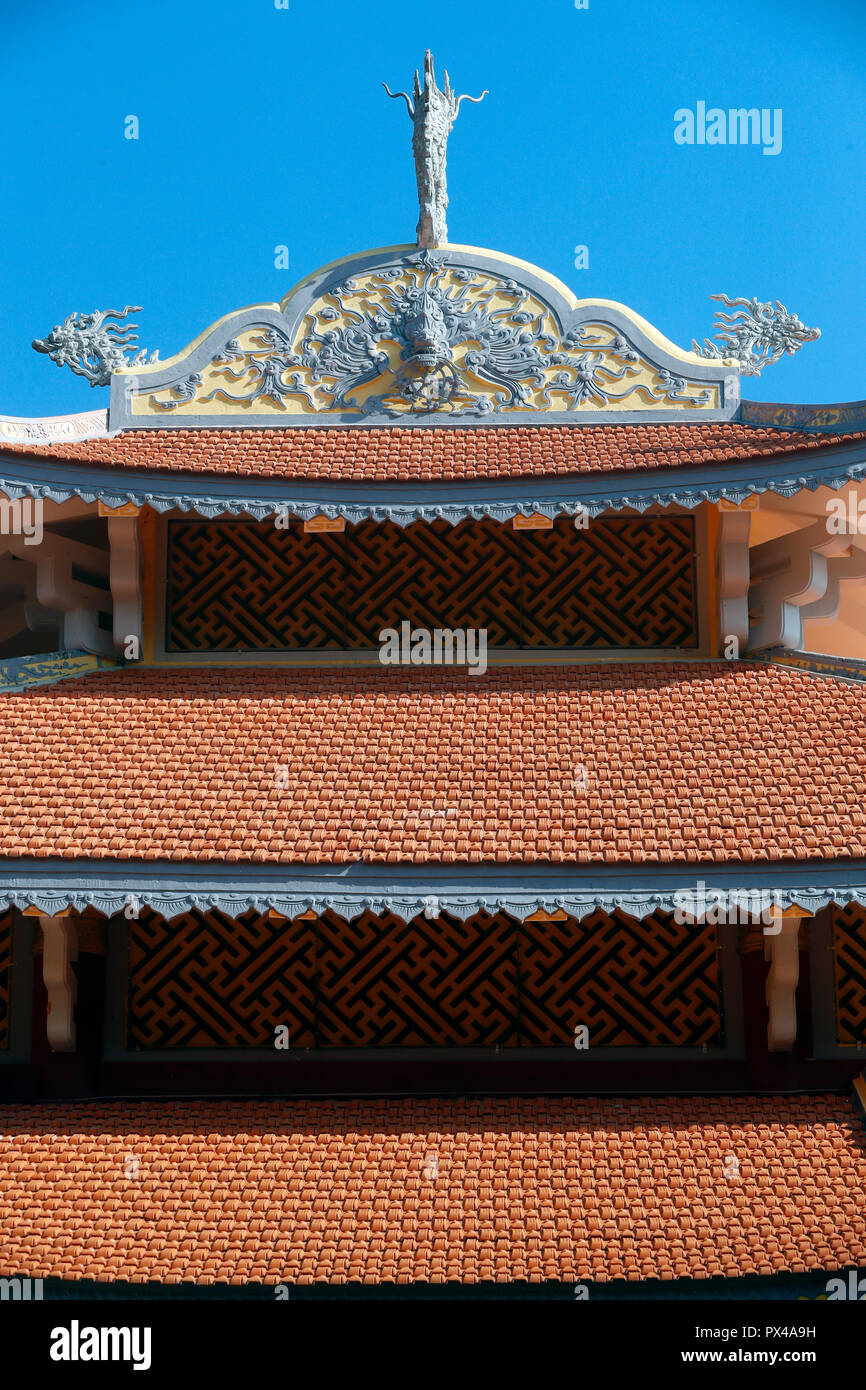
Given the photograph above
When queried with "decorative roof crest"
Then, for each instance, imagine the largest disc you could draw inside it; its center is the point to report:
(426, 336)
(433, 114)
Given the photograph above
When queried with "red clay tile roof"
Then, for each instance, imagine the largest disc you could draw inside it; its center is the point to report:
(684, 761)
(428, 455)
(307, 1191)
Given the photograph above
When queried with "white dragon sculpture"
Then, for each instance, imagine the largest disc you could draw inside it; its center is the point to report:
(757, 335)
(93, 347)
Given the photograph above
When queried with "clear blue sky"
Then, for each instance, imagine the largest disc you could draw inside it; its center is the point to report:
(261, 126)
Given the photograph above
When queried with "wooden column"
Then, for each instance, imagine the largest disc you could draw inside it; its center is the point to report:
(782, 950)
(59, 950)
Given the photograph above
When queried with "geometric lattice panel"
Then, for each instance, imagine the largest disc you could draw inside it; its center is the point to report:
(383, 982)
(632, 984)
(622, 582)
(5, 975)
(849, 944)
(235, 585)
(436, 575)
(205, 980)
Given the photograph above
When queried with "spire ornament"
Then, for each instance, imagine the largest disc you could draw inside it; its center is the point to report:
(433, 114)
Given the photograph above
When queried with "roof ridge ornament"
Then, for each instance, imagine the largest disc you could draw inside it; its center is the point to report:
(94, 348)
(757, 335)
(433, 114)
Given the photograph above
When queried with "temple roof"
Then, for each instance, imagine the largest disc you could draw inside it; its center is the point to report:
(614, 764)
(307, 1191)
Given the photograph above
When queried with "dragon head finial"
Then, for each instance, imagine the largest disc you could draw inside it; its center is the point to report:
(92, 347)
(757, 335)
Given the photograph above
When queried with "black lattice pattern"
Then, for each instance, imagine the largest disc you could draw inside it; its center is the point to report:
(5, 975)
(251, 585)
(631, 984)
(623, 582)
(849, 942)
(384, 982)
(205, 981)
(434, 576)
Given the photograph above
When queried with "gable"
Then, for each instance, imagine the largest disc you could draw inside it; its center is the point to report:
(455, 335)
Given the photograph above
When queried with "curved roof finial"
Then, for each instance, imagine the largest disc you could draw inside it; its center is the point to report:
(433, 112)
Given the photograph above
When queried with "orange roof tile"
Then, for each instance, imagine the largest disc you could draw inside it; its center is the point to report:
(431, 1190)
(426, 455)
(664, 762)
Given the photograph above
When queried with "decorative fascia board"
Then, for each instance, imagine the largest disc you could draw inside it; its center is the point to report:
(848, 417)
(458, 336)
(115, 887)
(21, 672)
(404, 503)
(846, 668)
(54, 429)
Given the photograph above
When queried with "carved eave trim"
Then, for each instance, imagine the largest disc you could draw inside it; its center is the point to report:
(178, 378)
(404, 503)
(406, 891)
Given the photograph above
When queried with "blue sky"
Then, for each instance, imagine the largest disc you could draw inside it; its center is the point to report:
(262, 127)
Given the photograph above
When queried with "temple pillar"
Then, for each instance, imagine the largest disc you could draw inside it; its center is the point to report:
(60, 949)
(782, 950)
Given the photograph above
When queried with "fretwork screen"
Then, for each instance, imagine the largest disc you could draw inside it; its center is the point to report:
(204, 980)
(5, 975)
(249, 586)
(849, 957)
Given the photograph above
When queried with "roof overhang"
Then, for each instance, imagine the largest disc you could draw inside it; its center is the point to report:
(410, 891)
(684, 486)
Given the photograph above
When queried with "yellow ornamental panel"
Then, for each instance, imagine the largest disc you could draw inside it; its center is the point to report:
(427, 336)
